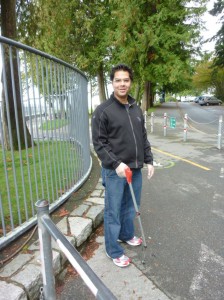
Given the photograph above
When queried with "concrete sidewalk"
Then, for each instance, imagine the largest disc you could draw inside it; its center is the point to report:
(21, 278)
(125, 283)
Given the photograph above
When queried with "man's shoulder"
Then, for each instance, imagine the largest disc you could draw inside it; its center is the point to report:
(104, 105)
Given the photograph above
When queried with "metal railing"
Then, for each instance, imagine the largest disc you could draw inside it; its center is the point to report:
(46, 230)
(44, 134)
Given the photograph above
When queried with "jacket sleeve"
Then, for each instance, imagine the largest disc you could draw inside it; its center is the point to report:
(100, 140)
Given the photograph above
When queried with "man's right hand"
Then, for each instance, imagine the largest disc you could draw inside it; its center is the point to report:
(120, 170)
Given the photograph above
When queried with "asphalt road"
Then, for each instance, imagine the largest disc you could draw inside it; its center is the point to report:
(182, 211)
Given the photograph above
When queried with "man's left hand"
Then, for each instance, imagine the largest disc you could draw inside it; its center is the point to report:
(150, 171)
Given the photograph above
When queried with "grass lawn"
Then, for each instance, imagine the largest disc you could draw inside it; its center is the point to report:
(45, 171)
(55, 124)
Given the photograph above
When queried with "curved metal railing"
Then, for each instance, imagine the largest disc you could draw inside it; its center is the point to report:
(44, 134)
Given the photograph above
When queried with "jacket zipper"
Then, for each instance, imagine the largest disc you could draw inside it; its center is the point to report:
(136, 148)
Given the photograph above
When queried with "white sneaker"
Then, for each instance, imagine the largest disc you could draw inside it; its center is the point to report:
(122, 261)
(135, 241)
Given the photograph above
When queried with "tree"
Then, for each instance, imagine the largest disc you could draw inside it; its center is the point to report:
(208, 76)
(8, 22)
(74, 31)
(157, 40)
(219, 37)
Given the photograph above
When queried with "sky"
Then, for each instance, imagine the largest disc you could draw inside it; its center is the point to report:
(212, 26)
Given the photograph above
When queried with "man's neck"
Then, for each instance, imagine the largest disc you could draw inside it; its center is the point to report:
(123, 100)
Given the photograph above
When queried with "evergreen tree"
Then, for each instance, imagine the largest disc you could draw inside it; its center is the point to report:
(217, 10)
(157, 40)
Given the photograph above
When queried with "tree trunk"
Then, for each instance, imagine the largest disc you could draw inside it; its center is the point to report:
(137, 93)
(101, 86)
(148, 95)
(10, 93)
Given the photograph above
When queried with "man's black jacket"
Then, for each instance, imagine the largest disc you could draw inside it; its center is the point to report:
(119, 134)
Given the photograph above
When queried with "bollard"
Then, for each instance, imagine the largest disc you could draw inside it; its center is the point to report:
(145, 117)
(221, 173)
(219, 143)
(185, 127)
(45, 251)
(164, 123)
(152, 121)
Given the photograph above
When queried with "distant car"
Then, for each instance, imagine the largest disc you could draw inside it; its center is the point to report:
(209, 101)
(196, 100)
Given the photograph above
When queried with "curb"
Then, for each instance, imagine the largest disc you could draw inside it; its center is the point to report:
(21, 278)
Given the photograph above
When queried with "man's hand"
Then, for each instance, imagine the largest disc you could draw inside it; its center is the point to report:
(120, 170)
(150, 171)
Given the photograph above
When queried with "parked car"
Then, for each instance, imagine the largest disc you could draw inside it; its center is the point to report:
(196, 100)
(211, 100)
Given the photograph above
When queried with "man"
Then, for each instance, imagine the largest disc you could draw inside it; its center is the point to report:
(120, 141)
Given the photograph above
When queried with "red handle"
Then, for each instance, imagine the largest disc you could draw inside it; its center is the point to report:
(128, 173)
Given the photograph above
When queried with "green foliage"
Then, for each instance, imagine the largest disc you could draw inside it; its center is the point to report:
(217, 10)
(149, 35)
(207, 75)
(156, 39)
(202, 77)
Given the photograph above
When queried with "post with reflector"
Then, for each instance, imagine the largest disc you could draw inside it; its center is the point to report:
(185, 127)
(164, 123)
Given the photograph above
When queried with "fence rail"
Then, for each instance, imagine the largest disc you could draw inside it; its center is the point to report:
(46, 230)
(44, 134)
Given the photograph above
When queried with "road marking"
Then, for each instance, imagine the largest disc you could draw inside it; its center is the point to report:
(219, 213)
(180, 158)
(208, 279)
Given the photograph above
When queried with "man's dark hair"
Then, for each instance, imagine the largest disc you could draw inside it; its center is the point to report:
(121, 67)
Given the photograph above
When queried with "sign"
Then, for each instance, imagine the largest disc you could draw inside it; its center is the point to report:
(172, 122)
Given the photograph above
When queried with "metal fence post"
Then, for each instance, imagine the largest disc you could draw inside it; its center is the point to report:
(185, 127)
(45, 251)
(152, 121)
(164, 123)
(219, 144)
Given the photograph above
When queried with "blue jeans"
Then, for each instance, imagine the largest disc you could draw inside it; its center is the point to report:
(119, 211)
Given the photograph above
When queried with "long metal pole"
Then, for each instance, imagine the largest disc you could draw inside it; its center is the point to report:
(128, 173)
(45, 252)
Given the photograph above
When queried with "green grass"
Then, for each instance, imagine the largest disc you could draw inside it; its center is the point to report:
(57, 165)
(153, 109)
(54, 124)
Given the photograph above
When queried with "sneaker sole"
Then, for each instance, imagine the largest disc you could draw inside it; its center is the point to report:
(129, 243)
(117, 264)
(134, 245)
(121, 266)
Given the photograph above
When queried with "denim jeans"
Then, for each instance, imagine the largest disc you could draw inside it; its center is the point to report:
(119, 211)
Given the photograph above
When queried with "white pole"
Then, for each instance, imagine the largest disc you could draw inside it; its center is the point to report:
(164, 123)
(145, 116)
(185, 127)
(219, 144)
(152, 121)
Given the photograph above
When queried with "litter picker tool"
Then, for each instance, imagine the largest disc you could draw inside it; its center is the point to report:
(128, 173)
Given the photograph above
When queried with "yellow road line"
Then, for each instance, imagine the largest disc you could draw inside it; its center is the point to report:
(180, 158)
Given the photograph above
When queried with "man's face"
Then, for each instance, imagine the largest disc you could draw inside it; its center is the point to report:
(121, 85)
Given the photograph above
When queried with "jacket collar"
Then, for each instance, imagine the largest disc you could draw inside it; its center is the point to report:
(131, 100)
